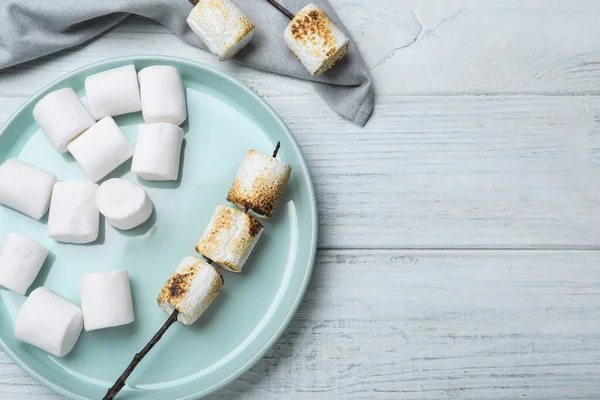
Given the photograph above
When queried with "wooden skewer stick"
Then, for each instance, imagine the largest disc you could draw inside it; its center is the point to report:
(120, 383)
(283, 10)
(194, 2)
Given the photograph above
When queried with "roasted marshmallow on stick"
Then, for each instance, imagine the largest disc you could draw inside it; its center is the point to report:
(221, 26)
(229, 238)
(49, 322)
(259, 184)
(25, 188)
(315, 40)
(189, 291)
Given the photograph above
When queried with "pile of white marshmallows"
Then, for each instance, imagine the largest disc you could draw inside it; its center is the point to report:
(46, 320)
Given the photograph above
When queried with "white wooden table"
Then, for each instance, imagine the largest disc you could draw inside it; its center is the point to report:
(460, 240)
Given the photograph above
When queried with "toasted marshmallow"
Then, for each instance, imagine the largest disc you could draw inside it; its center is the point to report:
(106, 300)
(163, 99)
(20, 261)
(229, 238)
(25, 188)
(74, 216)
(124, 204)
(191, 288)
(113, 92)
(62, 117)
(259, 184)
(315, 40)
(49, 322)
(221, 26)
(157, 152)
(101, 149)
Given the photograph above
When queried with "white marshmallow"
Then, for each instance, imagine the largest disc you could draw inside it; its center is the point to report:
(106, 300)
(259, 184)
(20, 261)
(49, 322)
(113, 92)
(229, 238)
(315, 40)
(192, 287)
(157, 152)
(221, 26)
(62, 117)
(74, 216)
(25, 188)
(161, 90)
(101, 149)
(124, 204)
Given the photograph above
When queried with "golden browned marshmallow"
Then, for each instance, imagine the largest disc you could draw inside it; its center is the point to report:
(315, 40)
(259, 184)
(191, 288)
(229, 238)
(221, 26)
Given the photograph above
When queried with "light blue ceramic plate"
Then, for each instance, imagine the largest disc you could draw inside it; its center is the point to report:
(225, 119)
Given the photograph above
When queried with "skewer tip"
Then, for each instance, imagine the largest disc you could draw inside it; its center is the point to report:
(276, 149)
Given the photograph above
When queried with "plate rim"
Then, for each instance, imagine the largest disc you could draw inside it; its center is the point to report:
(313, 207)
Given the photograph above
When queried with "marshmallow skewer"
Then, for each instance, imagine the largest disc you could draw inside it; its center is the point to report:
(180, 289)
(313, 38)
(173, 289)
(221, 26)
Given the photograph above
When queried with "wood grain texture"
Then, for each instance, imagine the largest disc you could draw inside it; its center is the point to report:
(467, 172)
(423, 324)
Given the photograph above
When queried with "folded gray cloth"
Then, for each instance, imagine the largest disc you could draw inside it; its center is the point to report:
(34, 28)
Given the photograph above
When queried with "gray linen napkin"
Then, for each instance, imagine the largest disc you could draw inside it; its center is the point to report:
(34, 28)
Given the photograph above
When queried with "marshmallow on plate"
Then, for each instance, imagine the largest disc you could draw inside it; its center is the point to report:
(101, 149)
(113, 92)
(124, 204)
(49, 322)
(259, 184)
(315, 40)
(20, 261)
(62, 117)
(229, 238)
(106, 300)
(157, 152)
(161, 90)
(221, 26)
(191, 288)
(74, 216)
(25, 188)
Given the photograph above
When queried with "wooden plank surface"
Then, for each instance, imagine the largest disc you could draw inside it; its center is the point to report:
(423, 324)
